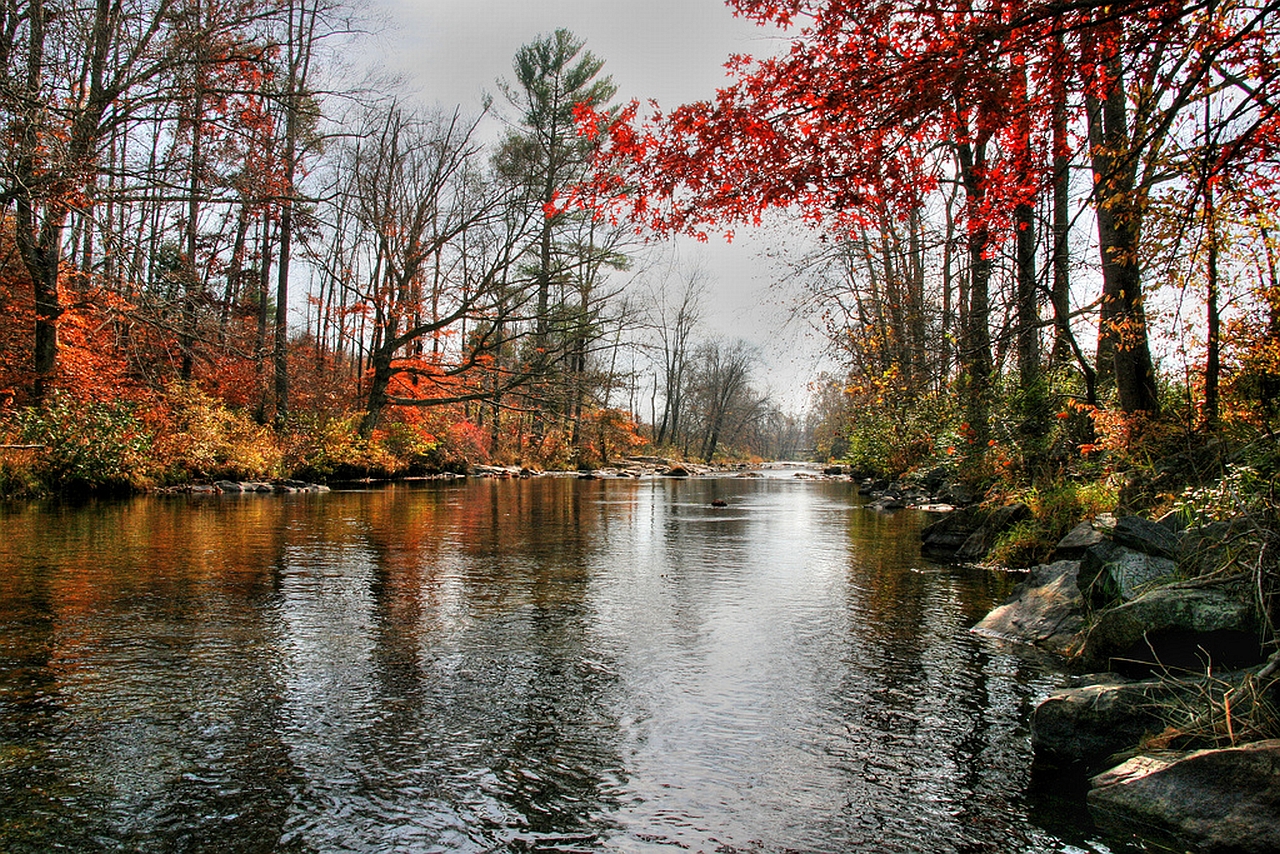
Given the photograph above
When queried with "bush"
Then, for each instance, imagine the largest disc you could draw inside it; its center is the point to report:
(88, 446)
(206, 439)
(330, 447)
(1055, 510)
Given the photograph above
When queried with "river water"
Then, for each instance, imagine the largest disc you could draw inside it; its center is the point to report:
(511, 665)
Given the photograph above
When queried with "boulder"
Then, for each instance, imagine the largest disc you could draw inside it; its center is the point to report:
(1045, 610)
(1175, 628)
(1143, 535)
(943, 538)
(1001, 519)
(1210, 546)
(1223, 800)
(676, 470)
(230, 486)
(1083, 727)
(935, 480)
(957, 494)
(1077, 541)
(1112, 574)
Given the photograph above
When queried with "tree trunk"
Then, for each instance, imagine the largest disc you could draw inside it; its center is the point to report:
(1124, 354)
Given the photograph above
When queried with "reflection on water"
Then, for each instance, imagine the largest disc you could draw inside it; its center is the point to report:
(543, 665)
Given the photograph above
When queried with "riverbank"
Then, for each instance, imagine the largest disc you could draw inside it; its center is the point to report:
(1170, 623)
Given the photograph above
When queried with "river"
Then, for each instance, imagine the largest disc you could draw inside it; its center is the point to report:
(549, 664)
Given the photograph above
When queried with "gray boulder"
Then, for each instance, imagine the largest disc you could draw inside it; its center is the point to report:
(1145, 536)
(1001, 519)
(943, 538)
(1077, 541)
(1175, 628)
(1083, 727)
(1045, 610)
(1210, 800)
(1111, 573)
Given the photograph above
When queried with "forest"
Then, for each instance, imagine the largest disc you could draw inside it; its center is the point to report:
(1041, 248)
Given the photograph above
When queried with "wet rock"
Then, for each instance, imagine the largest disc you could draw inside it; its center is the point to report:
(887, 502)
(1112, 574)
(1045, 610)
(676, 470)
(943, 538)
(935, 480)
(834, 470)
(229, 486)
(1145, 536)
(1083, 727)
(1001, 519)
(1177, 629)
(1211, 800)
(957, 494)
(1077, 541)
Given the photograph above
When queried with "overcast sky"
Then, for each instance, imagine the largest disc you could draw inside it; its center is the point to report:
(673, 51)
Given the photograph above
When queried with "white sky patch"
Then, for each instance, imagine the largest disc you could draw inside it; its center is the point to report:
(672, 51)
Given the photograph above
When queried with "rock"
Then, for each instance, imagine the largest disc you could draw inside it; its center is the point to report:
(1046, 610)
(1077, 541)
(943, 538)
(1211, 800)
(1209, 546)
(719, 502)
(229, 486)
(676, 470)
(1083, 727)
(833, 470)
(1175, 628)
(1145, 536)
(957, 494)
(886, 503)
(1001, 519)
(872, 487)
(1112, 574)
(935, 480)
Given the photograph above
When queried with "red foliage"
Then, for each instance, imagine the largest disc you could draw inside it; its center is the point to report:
(844, 121)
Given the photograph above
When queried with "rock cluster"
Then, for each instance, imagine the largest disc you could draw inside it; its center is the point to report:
(238, 487)
(1121, 600)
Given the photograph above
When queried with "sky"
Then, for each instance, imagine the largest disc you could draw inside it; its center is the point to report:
(451, 53)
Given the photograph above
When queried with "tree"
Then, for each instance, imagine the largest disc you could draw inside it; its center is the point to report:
(430, 245)
(841, 123)
(674, 317)
(65, 73)
(543, 154)
(723, 388)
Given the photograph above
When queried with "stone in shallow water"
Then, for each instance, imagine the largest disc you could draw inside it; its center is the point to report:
(1045, 610)
(1212, 800)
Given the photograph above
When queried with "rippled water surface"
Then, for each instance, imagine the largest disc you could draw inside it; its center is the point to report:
(538, 665)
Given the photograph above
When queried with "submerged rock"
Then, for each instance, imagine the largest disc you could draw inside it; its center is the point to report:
(1211, 800)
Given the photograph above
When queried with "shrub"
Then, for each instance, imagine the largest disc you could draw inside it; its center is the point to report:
(88, 446)
(1055, 510)
(206, 439)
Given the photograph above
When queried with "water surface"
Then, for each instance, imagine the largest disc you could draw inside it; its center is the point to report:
(537, 665)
